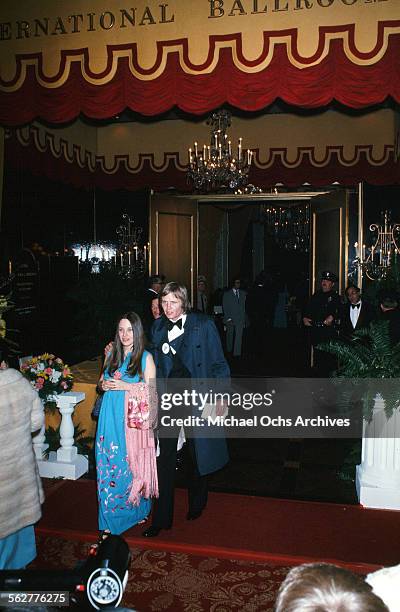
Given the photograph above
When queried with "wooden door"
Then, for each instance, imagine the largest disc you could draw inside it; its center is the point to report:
(329, 237)
(173, 239)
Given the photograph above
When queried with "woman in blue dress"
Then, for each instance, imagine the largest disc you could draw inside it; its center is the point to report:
(126, 364)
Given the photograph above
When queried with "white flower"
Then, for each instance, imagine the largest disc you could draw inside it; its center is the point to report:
(386, 585)
(55, 376)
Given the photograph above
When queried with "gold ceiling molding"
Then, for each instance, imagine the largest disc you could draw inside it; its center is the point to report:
(99, 36)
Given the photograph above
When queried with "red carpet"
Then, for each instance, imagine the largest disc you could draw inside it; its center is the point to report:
(244, 527)
(163, 580)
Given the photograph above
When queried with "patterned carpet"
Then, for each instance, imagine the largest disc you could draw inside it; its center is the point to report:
(160, 580)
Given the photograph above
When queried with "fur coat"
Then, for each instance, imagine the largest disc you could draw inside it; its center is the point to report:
(21, 414)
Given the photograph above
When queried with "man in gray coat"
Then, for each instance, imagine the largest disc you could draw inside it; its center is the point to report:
(234, 306)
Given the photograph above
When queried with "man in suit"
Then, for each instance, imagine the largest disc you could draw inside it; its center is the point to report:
(234, 306)
(185, 345)
(202, 301)
(356, 313)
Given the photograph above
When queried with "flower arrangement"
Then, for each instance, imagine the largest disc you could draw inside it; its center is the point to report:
(48, 375)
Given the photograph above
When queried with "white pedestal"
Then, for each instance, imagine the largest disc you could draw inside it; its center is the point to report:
(378, 475)
(66, 462)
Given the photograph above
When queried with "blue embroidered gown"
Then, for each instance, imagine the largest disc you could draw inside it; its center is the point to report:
(114, 477)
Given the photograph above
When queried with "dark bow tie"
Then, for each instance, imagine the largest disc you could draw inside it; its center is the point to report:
(171, 324)
(356, 305)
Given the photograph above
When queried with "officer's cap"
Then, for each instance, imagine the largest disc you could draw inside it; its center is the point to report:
(327, 275)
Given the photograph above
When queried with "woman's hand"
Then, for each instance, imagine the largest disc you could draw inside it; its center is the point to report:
(113, 384)
(108, 348)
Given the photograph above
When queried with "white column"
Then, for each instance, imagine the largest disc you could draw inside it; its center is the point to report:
(378, 475)
(66, 462)
(39, 445)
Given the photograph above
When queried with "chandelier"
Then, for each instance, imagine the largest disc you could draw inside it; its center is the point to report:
(289, 226)
(132, 255)
(217, 167)
(376, 259)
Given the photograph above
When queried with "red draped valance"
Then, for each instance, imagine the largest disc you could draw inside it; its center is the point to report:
(335, 77)
(379, 171)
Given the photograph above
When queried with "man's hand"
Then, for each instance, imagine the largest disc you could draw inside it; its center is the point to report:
(307, 321)
(329, 320)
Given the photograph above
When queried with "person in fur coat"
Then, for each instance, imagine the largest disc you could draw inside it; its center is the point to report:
(21, 414)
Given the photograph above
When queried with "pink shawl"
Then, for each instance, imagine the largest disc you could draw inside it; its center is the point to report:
(140, 447)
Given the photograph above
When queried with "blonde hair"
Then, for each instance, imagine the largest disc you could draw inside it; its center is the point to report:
(179, 292)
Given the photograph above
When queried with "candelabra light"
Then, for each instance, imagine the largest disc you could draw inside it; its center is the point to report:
(289, 226)
(219, 167)
(376, 259)
(132, 254)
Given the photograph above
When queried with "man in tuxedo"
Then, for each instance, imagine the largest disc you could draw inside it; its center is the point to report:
(356, 313)
(185, 345)
(234, 306)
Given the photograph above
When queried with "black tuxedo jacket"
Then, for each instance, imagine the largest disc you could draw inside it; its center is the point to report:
(367, 314)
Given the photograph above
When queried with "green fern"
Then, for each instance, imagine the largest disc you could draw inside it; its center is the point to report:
(368, 355)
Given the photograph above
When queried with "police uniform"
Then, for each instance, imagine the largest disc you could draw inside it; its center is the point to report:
(321, 305)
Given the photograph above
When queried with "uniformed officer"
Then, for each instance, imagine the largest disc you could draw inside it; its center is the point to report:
(319, 316)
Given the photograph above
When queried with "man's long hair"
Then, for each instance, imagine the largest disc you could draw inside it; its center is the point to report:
(179, 292)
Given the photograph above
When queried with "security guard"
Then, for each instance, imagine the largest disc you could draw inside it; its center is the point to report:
(319, 316)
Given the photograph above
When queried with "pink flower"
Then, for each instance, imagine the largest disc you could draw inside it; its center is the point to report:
(64, 385)
(48, 370)
(117, 375)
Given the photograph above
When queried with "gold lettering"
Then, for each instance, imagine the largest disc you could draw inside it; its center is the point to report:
(5, 30)
(102, 20)
(349, 2)
(216, 5)
(91, 27)
(255, 8)
(59, 27)
(322, 3)
(164, 19)
(237, 6)
(44, 27)
(23, 29)
(307, 4)
(147, 16)
(278, 6)
(75, 19)
(130, 18)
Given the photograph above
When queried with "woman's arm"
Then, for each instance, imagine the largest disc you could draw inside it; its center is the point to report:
(150, 369)
(113, 384)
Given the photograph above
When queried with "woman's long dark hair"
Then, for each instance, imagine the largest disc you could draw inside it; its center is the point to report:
(116, 358)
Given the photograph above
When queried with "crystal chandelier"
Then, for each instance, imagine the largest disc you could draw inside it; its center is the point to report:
(217, 167)
(376, 259)
(289, 226)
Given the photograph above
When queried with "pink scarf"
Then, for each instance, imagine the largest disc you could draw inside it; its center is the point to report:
(140, 445)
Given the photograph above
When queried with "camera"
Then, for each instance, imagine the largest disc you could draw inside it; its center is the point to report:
(98, 582)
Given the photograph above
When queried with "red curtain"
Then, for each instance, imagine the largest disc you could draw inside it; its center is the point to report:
(334, 78)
